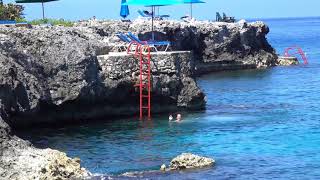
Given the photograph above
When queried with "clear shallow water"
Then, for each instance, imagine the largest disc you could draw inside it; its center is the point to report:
(259, 124)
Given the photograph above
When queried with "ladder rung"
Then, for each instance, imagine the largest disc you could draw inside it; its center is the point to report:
(143, 85)
(145, 96)
(145, 107)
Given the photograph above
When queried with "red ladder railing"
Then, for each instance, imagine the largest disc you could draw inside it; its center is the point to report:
(143, 53)
(298, 51)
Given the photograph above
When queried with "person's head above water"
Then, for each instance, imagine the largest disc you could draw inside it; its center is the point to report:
(179, 117)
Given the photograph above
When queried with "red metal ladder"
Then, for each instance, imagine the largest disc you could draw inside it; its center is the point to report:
(143, 53)
(298, 51)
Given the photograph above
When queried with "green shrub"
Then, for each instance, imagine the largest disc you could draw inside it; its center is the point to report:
(11, 12)
(60, 22)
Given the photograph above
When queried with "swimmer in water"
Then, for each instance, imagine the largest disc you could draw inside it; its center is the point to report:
(170, 117)
(179, 118)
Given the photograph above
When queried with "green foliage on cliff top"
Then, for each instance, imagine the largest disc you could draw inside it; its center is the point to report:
(60, 22)
(15, 12)
(11, 11)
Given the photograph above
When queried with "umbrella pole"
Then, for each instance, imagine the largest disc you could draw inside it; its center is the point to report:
(191, 9)
(42, 11)
(153, 7)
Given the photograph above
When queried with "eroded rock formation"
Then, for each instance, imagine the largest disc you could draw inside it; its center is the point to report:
(52, 75)
(20, 160)
(287, 61)
(188, 161)
(172, 84)
(216, 46)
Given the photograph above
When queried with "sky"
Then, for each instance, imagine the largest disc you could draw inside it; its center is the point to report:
(241, 9)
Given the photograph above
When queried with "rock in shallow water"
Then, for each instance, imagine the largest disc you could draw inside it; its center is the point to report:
(163, 167)
(20, 160)
(190, 161)
(31, 163)
(287, 61)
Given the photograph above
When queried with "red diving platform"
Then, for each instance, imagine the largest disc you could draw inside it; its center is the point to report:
(296, 50)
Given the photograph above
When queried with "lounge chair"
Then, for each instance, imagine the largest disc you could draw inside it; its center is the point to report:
(228, 19)
(14, 23)
(163, 16)
(218, 17)
(187, 19)
(143, 14)
(164, 45)
(146, 14)
(123, 46)
(7, 22)
(224, 16)
(126, 20)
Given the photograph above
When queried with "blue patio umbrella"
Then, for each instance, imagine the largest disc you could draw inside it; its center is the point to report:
(153, 4)
(191, 2)
(124, 11)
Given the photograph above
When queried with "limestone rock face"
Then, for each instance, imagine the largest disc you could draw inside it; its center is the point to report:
(20, 160)
(216, 46)
(172, 83)
(53, 75)
(190, 161)
(31, 163)
(4, 131)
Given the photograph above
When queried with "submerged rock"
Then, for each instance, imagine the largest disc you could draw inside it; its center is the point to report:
(190, 161)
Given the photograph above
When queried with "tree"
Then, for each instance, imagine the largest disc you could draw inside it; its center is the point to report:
(11, 12)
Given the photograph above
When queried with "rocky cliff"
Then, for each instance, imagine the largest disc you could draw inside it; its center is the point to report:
(58, 75)
(52, 75)
(216, 46)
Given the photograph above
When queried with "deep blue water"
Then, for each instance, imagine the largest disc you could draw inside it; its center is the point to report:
(259, 124)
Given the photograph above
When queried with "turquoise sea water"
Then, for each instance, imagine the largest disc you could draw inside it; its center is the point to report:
(259, 124)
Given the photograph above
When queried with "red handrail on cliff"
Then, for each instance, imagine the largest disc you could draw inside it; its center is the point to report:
(298, 50)
(143, 53)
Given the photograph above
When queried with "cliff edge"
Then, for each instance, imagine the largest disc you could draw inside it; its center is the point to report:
(58, 75)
